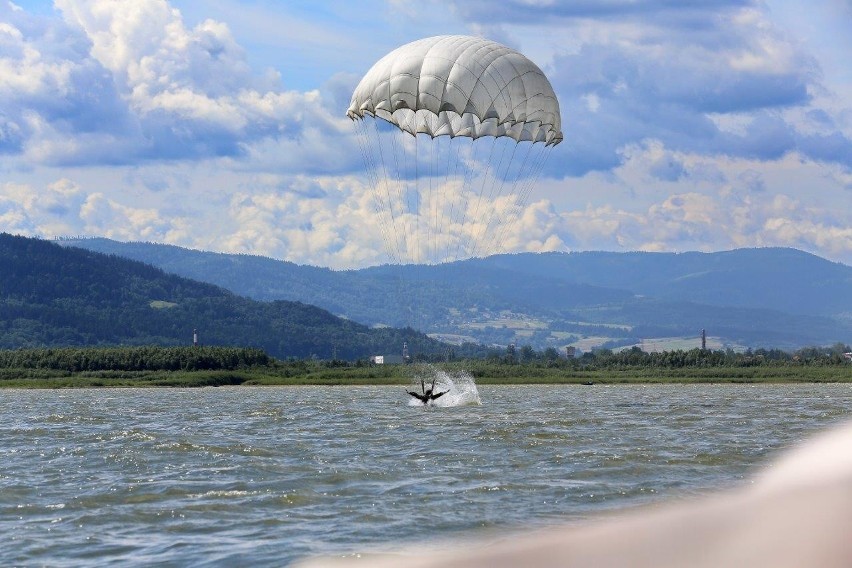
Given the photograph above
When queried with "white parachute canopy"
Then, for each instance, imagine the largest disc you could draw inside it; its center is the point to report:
(460, 86)
(489, 116)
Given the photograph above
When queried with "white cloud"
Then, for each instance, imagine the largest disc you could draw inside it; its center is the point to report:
(688, 126)
(130, 82)
(723, 79)
(103, 216)
(46, 211)
(743, 203)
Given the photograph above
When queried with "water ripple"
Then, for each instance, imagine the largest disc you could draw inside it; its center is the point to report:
(263, 476)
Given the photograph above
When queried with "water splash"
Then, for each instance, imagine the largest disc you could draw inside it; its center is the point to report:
(460, 386)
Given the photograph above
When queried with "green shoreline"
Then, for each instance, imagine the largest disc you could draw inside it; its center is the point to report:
(153, 366)
(399, 375)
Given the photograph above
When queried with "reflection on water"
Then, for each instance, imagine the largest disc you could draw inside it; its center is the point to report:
(262, 476)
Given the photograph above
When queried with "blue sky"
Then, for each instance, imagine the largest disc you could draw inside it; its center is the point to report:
(220, 124)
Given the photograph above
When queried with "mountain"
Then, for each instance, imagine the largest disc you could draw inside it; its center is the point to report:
(378, 295)
(782, 279)
(59, 296)
(771, 297)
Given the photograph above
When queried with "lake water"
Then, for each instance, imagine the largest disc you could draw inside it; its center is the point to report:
(264, 476)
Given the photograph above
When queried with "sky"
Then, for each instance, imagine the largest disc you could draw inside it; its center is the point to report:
(220, 124)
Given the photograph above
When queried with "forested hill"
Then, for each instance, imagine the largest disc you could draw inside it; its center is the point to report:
(769, 297)
(782, 279)
(56, 296)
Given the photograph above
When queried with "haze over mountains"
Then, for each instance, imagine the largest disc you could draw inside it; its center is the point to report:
(769, 297)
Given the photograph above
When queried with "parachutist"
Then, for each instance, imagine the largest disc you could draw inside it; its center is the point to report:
(428, 394)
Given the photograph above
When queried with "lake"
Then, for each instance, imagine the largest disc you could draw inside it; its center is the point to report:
(266, 475)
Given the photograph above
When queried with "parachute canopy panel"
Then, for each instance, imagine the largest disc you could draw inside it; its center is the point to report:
(460, 86)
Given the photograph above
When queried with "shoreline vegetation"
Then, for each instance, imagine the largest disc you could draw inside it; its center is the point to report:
(88, 367)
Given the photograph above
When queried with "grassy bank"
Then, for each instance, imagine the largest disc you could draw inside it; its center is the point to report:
(150, 366)
(484, 374)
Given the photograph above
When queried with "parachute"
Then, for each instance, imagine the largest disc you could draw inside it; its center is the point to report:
(460, 86)
(454, 132)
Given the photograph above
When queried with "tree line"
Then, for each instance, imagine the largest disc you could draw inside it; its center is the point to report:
(602, 359)
(150, 358)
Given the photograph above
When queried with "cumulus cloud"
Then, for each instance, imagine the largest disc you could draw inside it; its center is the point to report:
(717, 205)
(50, 89)
(331, 219)
(130, 82)
(628, 71)
(103, 216)
(687, 126)
(118, 83)
(46, 211)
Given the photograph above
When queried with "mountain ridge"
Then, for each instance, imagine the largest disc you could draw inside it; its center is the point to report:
(553, 299)
(690, 275)
(68, 296)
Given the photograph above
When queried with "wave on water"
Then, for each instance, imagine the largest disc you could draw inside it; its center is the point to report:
(460, 386)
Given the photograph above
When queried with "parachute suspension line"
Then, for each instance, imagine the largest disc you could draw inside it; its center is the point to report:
(408, 304)
(429, 227)
(418, 284)
(464, 241)
(462, 202)
(490, 181)
(385, 177)
(398, 144)
(386, 212)
(381, 184)
(496, 244)
(502, 233)
(404, 197)
(453, 144)
(408, 196)
(484, 237)
(433, 207)
(442, 203)
(436, 204)
(436, 201)
(526, 191)
(541, 162)
(495, 173)
(446, 203)
(373, 182)
(383, 211)
(527, 187)
(452, 206)
(519, 175)
(416, 253)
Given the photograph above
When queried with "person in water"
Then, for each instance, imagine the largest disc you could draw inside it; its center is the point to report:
(428, 394)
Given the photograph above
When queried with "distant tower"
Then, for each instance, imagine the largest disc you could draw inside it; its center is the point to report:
(195, 338)
(405, 352)
(703, 340)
